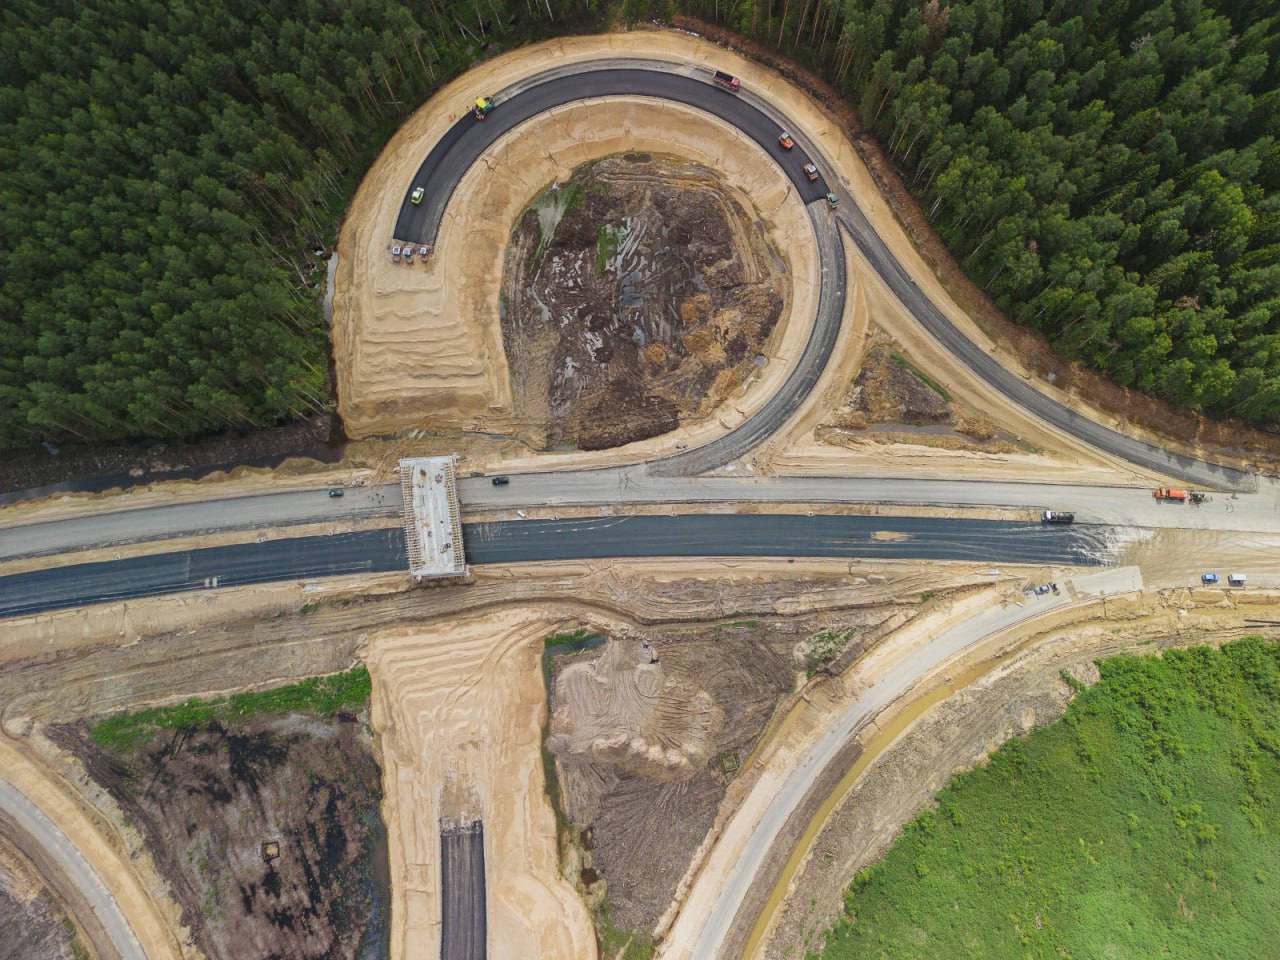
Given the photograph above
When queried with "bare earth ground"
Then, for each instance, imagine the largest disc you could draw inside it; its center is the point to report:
(458, 708)
(638, 294)
(648, 731)
(209, 800)
(35, 927)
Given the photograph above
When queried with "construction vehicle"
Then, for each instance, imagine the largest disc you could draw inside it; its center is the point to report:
(395, 253)
(484, 106)
(1198, 498)
(1057, 516)
(418, 194)
(408, 253)
(811, 171)
(785, 140)
(1167, 493)
(728, 81)
(1236, 579)
(1208, 579)
(833, 200)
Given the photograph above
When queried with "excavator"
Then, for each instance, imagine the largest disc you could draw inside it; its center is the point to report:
(484, 105)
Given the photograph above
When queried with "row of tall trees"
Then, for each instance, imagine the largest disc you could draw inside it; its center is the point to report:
(1107, 169)
(169, 169)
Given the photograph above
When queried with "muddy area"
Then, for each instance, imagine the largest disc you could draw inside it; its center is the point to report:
(636, 296)
(890, 400)
(33, 926)
(92, 468)
(648, 731)
(267, 831)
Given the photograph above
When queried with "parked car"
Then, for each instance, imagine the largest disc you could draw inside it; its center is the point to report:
(335, 492)
(417, 196)
(1208, 578)
(784, 139)
(501, 481)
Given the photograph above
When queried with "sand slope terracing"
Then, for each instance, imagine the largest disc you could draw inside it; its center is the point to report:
(459, 710)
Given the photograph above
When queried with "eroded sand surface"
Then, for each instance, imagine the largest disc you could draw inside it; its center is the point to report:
(459, 709)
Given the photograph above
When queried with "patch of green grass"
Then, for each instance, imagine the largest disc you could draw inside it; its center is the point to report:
(566, 638)
(749, 624)
(1144, 824)
(608, 240)
(825, 647)
(126, 732)
(639, 945)
(920, 375)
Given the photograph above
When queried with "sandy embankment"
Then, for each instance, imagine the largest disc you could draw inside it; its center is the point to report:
(458, 709)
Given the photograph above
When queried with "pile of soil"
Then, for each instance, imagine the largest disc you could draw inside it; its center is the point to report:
(885, 391)
(265, 832)
(636, 296)
(648, 732)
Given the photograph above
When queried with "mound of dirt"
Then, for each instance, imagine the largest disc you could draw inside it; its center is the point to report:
(265, 832)
(636, 296)
(886, 391)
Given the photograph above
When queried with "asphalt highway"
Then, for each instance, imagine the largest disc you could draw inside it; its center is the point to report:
(522, 541)
(463, 144)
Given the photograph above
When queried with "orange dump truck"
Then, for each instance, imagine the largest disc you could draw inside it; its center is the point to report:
(1165, 493)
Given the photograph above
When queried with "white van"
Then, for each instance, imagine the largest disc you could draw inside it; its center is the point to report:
(1236, 579)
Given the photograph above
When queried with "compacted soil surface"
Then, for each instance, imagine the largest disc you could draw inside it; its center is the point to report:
(265, 829)
(636, 295)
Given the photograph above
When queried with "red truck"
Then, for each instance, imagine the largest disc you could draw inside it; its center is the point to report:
(1165, 493)
(722, 79)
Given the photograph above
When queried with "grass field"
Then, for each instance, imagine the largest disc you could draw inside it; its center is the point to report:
(1143, 824)
(324, 695)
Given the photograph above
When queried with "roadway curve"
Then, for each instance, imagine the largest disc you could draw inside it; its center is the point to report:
(691, 535)
(463, 144)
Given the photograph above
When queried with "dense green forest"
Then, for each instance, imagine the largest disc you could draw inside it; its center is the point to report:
(1108, 170)
(1143, 824)
(170, 169)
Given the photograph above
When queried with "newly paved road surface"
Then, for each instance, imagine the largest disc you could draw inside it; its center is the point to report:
(32, 821)
(521, 541)
(1127, 506)
(463, 143)
(464, 917)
